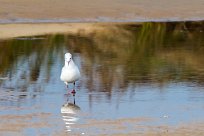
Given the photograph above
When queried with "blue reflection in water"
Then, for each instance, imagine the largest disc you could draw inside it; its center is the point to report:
(150, 70)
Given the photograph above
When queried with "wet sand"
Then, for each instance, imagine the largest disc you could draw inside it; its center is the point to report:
(18, 123)
(100, 10)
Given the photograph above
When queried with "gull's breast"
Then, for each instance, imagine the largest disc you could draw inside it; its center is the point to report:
(69, 75)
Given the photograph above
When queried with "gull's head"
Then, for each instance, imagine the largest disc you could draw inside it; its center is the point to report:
(67, 57)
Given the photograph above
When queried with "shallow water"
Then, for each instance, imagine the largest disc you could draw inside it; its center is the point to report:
(145, 75)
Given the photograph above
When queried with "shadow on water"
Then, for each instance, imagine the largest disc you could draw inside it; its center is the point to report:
(122, 67)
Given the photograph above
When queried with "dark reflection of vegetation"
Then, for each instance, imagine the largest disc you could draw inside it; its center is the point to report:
(114, 57)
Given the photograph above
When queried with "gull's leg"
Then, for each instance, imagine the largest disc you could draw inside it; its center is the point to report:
(74, 99)
(67, 87)
(66, 84)
(73, 91)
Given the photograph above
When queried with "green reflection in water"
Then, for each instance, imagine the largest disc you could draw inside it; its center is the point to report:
(115, 56)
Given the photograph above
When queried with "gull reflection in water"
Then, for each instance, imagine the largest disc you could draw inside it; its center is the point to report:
(70, 114)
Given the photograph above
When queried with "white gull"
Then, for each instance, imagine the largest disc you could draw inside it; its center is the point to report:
(70, 72)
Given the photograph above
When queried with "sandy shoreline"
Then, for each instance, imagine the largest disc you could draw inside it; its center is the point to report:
(19, 30)
(38, 11)
(36, 17)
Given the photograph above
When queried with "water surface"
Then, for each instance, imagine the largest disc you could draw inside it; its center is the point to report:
(132, 75)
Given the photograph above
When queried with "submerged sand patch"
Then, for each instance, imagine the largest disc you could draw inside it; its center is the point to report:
(191, 129)
(16, 124)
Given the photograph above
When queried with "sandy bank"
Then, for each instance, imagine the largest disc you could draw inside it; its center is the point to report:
(18, 30)
(100, 10)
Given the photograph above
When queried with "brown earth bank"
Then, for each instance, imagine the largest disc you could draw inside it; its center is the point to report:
(99, 11)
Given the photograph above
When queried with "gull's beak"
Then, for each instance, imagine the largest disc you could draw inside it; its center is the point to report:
(69, 61)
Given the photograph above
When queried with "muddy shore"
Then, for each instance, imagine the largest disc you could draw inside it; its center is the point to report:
(22, 11)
